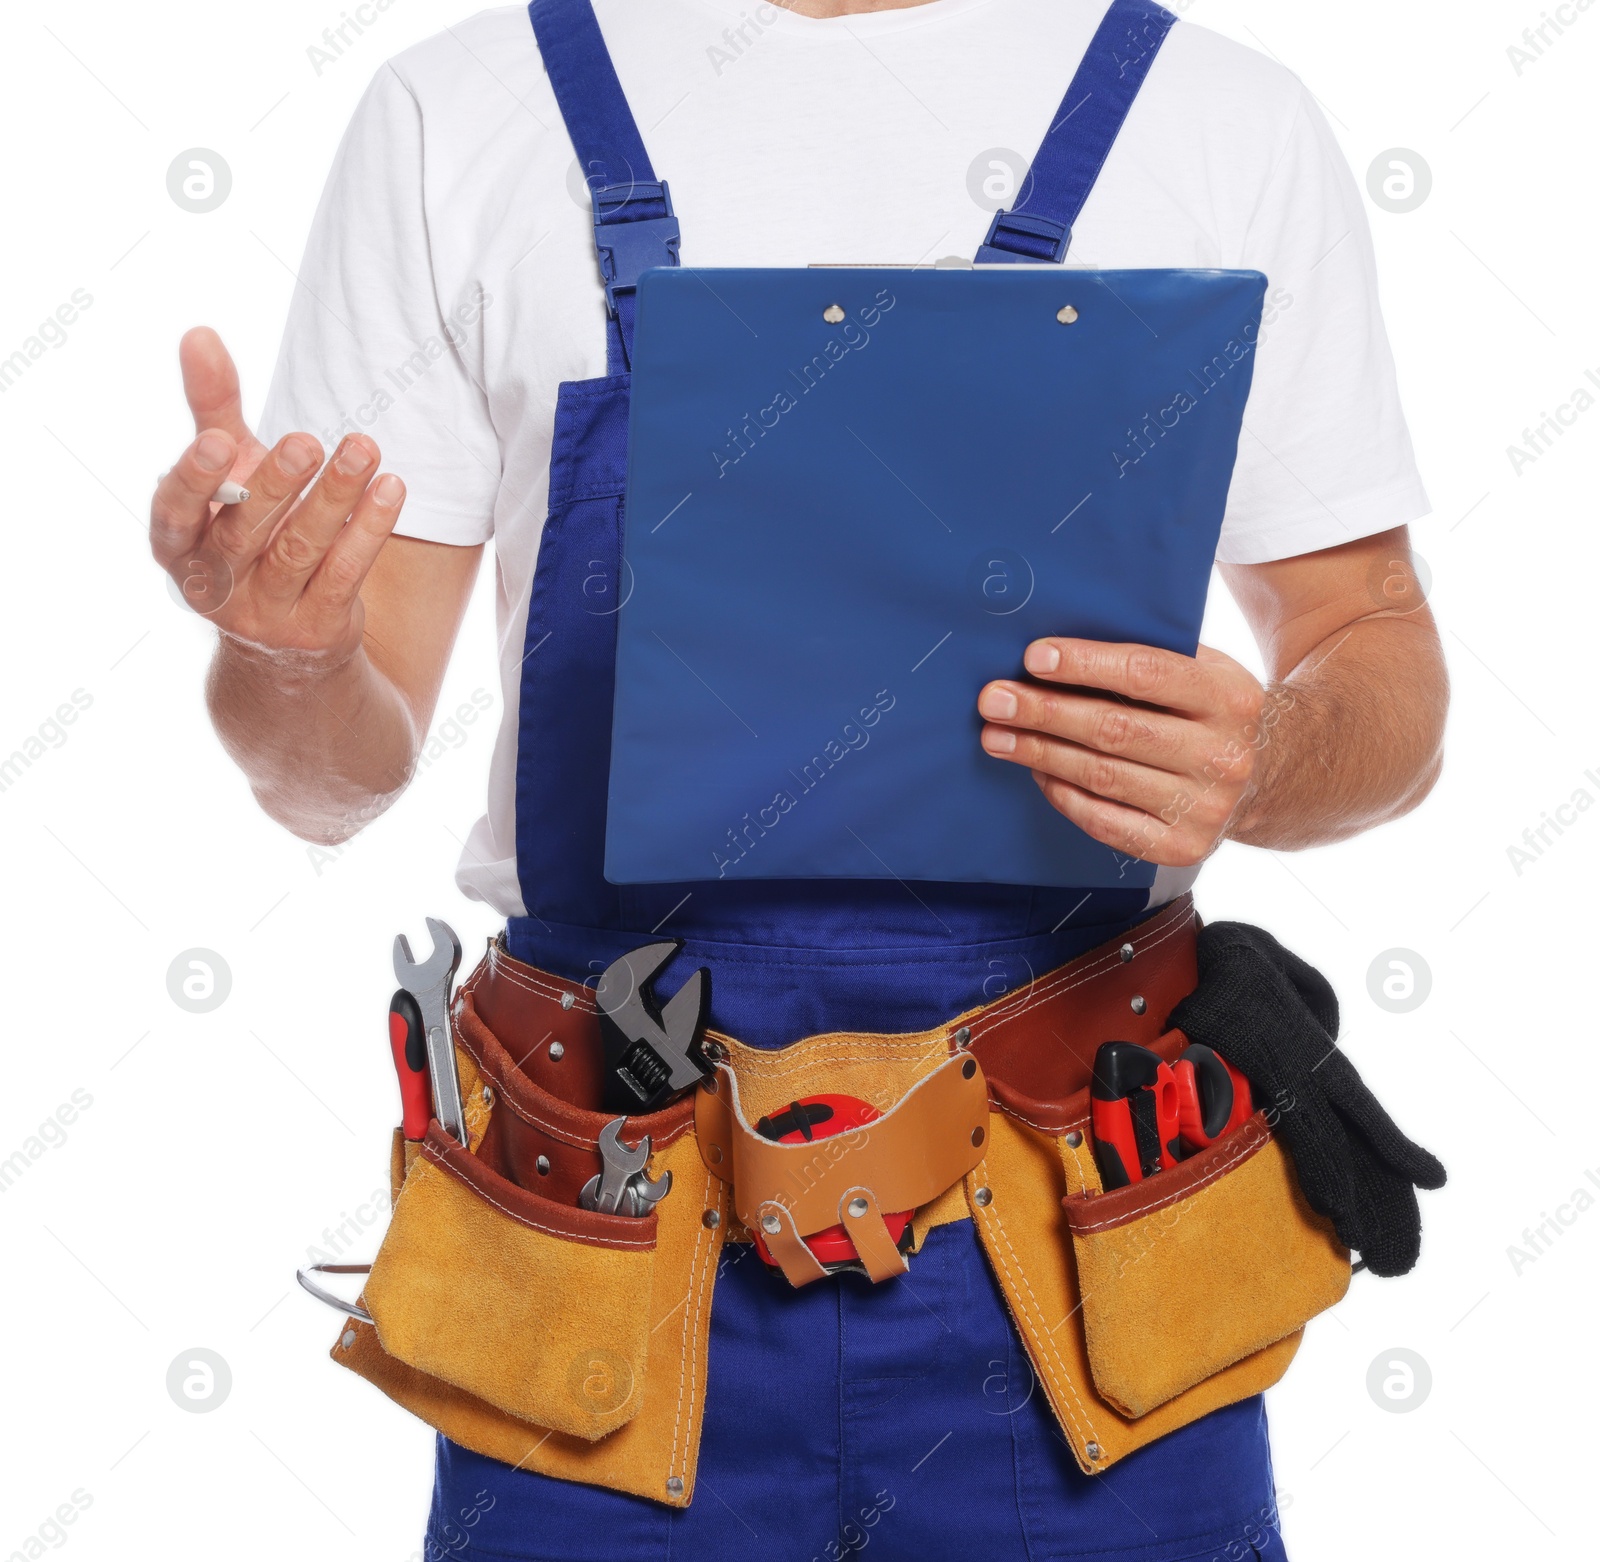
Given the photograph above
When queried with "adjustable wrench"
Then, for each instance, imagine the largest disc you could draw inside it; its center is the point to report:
(429, 983)
(622, 1188)
(652, 1050)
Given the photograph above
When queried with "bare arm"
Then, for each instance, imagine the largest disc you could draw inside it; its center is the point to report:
(1166, 756)
(327, 745)
(1358, 681)
(333, 633)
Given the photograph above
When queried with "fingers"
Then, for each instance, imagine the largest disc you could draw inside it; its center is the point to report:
(1138, 672)
(1127, 830)
(1122, 731)
(211, 384)
(339, 577)
(298, 545)
(1118, 780)
(241, 531)
(181, 508)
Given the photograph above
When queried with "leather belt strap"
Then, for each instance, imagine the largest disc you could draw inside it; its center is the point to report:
(1036, 1045)
(928, 1141)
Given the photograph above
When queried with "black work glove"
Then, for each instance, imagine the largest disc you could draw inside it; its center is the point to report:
(1275, 1019)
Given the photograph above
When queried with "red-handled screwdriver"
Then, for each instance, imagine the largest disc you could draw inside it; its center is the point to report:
(409, 1044)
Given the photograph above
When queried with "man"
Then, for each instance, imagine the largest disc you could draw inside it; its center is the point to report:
(449, 288)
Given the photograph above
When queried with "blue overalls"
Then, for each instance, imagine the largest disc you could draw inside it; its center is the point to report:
(903, 1416)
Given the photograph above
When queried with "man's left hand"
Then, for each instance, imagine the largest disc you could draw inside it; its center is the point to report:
(1148, 752)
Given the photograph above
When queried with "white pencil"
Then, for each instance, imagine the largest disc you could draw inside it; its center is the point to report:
(230, 493)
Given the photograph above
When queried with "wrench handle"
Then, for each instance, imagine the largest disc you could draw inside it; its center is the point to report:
(410, 1051)
(446, 1082)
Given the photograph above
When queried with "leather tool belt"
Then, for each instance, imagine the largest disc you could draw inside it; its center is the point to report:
(573, 1342)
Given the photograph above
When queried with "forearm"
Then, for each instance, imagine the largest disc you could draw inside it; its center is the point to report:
(325, 747)
(1351, 738)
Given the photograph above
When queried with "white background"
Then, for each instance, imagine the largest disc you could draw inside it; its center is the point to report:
(219, 1148)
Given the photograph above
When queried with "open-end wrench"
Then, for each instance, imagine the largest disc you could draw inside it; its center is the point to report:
(429, 983)
(621, 1187)
(652, 1050)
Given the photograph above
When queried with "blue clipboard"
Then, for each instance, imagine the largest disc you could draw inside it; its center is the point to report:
(854, 496)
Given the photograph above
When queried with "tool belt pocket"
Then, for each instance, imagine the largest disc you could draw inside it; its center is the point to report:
(1198, 1266)
(493, 1279)
(530, 1305)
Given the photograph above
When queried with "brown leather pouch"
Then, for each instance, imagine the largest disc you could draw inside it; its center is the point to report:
(921, 1147)
(1198, 1267)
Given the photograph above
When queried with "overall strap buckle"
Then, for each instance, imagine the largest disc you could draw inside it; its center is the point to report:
(1018, 237)
(634, 229)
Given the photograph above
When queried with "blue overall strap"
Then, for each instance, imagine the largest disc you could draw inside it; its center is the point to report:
(634, 228)
(1063, 172)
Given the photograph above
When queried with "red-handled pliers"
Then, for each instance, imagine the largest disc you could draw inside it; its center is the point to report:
(1133, 1114)
(1213, 1096)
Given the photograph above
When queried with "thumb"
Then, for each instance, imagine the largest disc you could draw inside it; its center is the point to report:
(211, 384)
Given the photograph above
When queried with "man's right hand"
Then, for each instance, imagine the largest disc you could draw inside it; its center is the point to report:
(282, 572)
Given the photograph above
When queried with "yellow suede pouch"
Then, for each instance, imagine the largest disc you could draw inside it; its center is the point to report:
(1015, 1199)
(654, 1453)
(1198, 1267)
(534, 1307)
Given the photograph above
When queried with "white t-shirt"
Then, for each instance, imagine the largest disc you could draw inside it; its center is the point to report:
(450, 282)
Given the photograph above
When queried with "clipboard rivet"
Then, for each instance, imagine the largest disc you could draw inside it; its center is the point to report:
(833, 314)
(1066, 314)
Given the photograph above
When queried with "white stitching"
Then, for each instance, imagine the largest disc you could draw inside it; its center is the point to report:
(518, 977)
(691, 1340)
(1037, 1317)
(1053, 987)
(433, 1156)
(1247, 1147)
(1054, 1130)
(1159, 931)
(565, 1135)
(1068, 977)
(1077, 1156)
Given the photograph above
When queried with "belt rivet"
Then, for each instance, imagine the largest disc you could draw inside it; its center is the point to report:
(714, 1154)
(567, 1000)
(833, 314)
(982, 1198)
(1138, 1005)
(711, 1220)
(349, 1338)
(1066, 314)
(1074, 1140)
(963, 1036)
(771, 1225)
(674, 1485)
(1126, 952)
(542, 1165)
(858, 1207)
(557, 1052)
(488, 1096)
(1091, 1451)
